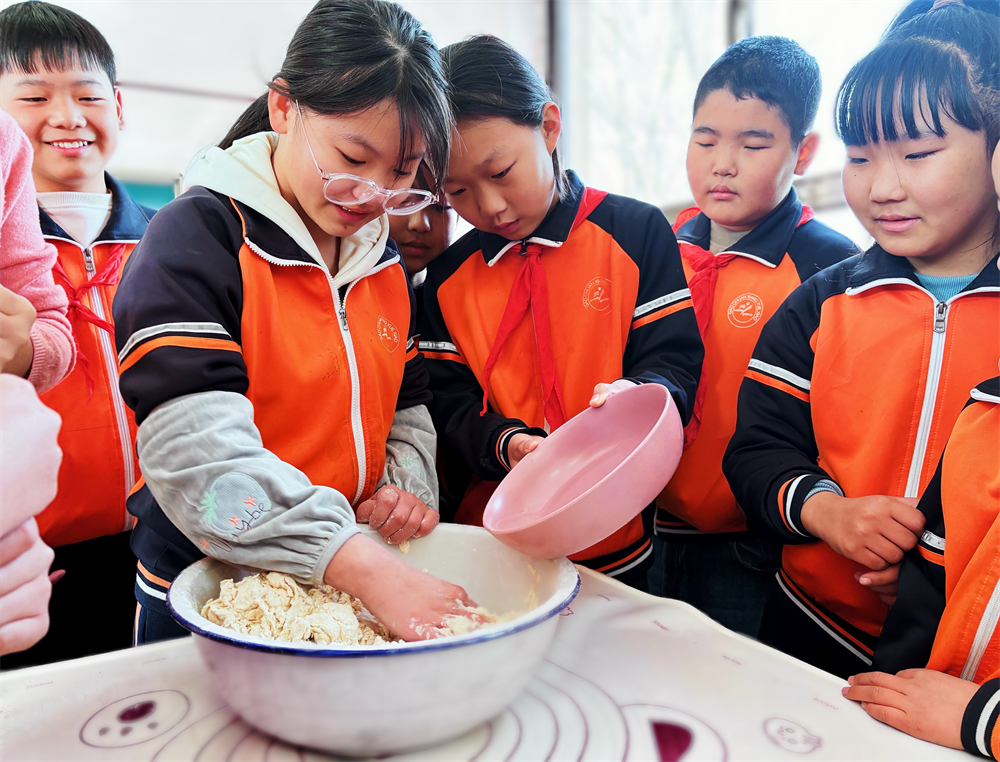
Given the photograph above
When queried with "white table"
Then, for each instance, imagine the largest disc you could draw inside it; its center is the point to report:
(629, 677)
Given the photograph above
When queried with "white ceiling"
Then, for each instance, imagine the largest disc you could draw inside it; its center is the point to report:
(233, 48)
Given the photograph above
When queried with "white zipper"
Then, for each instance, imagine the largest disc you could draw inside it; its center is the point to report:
(930, 398)
(352, 363)
(983, 635)
(938, 339)
(111, 365)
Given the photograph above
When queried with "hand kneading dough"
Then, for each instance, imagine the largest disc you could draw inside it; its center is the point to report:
(275, 606)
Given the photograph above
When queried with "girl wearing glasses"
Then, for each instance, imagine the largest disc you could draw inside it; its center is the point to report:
(264, 331)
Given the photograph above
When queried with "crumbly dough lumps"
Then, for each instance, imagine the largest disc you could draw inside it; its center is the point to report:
(275, 606)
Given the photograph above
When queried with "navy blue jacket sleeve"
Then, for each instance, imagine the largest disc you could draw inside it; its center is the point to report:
(178, 306)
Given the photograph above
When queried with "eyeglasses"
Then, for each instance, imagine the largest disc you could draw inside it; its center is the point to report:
(351, 190)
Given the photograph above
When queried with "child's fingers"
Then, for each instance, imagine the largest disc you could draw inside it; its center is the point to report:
(26, 601)
(900, 535)
(869, 558)
(364, 512)
(411, 526)
(909, 517)
(888, 552)
(385, 501)
(34, 562)
(13, 304)
(427, 523)
(18, 541)
(879, 680)
(21, 634)
(401, 517)
(890, 715)
(601, 394)
(887, 576)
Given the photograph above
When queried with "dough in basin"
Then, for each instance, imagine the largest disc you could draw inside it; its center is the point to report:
(275, 606)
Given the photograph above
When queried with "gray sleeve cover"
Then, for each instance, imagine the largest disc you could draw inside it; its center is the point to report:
(409, 454)
(205, 463)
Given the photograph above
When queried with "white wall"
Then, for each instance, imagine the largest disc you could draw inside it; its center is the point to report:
(234, 47)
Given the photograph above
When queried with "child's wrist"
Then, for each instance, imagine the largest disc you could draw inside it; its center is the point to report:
(815, 509)
(356, 565)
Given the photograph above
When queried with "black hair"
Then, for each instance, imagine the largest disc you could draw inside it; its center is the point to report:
(350, 55)
(36, 33)
(771, 69)
(932, 59)
(946, 60)
(487, 78)
(917, 8)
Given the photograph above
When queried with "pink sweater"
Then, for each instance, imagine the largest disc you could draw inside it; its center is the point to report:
(26, 260)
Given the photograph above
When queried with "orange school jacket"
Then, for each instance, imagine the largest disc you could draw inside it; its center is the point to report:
(948, 607)
(858, 378)
(767, 264)
(97, 438)
(618, 307)
(218, 297)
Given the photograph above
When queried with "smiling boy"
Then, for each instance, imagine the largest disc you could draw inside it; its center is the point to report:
(745, 247)
(57, 79)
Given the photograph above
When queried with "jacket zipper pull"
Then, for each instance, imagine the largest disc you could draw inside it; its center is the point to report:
(524, 246)
(88, 260)
(942, 309)
(342, 312)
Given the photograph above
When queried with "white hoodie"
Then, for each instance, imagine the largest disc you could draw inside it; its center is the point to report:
(244, 172)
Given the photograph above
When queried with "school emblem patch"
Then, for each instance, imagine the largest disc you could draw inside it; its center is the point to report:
(597, 295)
(745, 310)
(387, 333)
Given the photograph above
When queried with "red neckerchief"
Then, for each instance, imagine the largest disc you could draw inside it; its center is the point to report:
(702, 285)
(530, 290)
(106, 276)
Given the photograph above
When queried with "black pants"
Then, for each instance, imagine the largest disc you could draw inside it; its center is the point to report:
(92, 608)
(788, 628)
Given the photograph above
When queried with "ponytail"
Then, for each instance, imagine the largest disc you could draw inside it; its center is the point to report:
(350, 55)
(255, 119)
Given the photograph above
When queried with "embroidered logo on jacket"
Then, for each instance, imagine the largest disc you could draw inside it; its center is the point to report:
(745, 310)
(232, 504)
(387, 333)
(597, 295)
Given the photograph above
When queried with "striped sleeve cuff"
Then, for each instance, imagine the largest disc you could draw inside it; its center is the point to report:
(440, 350)
(792, 494)
(502, 438)
(980, 730)
(824, 485)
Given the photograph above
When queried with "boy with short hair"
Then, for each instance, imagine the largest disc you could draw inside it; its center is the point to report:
(745, 247)
(57, 79)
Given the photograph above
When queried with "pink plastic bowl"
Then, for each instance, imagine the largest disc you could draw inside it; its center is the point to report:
(590, 477)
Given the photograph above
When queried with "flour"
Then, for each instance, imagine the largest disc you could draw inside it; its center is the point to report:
(275, 606)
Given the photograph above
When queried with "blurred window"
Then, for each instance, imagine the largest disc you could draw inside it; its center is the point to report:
(627, 71)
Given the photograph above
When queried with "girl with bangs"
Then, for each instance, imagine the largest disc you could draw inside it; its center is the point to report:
(856, 382)
(264, 329)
